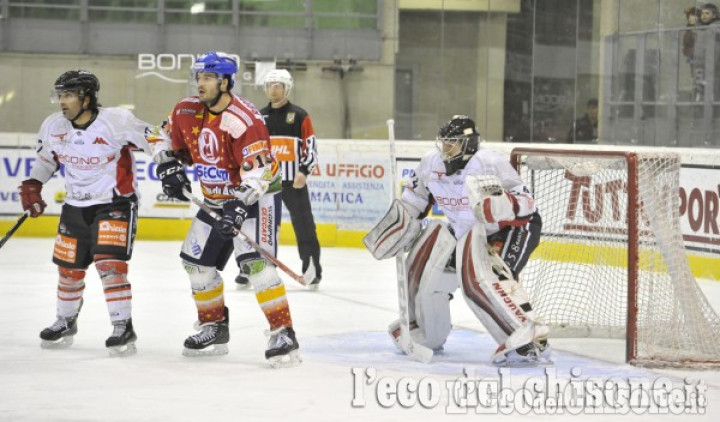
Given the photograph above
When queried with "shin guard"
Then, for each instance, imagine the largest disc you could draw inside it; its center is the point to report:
(118, 294)
(207, 290)
(269, 291)
(71, 286)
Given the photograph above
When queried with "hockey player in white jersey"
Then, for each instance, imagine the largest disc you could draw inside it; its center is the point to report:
(492, 228)
(98, 220)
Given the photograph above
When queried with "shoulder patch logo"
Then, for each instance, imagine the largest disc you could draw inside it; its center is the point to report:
(290, 119)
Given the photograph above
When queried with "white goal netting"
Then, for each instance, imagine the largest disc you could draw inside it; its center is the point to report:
(600, 272)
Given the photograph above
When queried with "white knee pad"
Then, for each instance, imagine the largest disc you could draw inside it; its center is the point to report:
(202, 278)
(501, 306)
(429, 285)
(260, 273)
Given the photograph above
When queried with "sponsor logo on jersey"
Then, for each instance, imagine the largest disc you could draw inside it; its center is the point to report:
(453, 202)
(283, 148)
(113, 233)
(65, 249)
(83, 163)
(290, 119)
(208, 146)
(100, 141)
(211, 174)
(267, 226)
(60, 136)
(255, 148)
(190, 111)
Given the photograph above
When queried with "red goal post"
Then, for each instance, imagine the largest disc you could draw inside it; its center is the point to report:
(611, 260)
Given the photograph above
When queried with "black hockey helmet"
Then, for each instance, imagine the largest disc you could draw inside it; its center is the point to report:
(457, 140)
(81, 81)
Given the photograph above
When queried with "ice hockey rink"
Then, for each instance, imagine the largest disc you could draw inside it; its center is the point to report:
(350, 372)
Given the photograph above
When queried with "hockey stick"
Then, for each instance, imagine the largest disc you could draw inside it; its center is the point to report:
(14, 228)
(304, 279)
(412, 349)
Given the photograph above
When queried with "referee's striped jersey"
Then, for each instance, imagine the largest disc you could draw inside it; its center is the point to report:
(292, 139)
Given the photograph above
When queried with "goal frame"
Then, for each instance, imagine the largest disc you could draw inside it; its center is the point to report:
(630, 157)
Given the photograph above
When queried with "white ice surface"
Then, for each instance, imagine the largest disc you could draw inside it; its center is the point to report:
(340, 327)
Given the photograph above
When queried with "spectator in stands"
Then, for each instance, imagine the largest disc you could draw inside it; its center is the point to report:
(585, 129)
(708, 14)
(692, 17)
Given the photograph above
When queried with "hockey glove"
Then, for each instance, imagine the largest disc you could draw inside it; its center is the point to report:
(490, 202)
(31, 198)
(234, 213)
(174, 179)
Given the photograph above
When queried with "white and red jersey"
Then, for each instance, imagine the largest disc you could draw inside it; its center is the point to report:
(97, 160)
(430, 182)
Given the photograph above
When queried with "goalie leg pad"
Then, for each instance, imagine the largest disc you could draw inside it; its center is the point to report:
(429, 285)
(207, 290)
(393, 233)
(501, 306)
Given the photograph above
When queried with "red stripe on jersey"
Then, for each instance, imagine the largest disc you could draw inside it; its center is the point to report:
(125, 176)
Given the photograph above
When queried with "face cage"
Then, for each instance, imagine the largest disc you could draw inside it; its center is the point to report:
(457, 147)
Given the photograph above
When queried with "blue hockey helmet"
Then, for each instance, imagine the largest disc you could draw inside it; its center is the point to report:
(222, 64)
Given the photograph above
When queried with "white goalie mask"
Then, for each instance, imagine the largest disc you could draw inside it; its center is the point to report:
(281, 76)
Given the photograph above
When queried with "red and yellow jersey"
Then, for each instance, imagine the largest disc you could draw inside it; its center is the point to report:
(230, 150)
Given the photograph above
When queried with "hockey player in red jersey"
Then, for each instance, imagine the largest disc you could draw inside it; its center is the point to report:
(492, 228)
(99, 218)
(225, 138)
(292, 139)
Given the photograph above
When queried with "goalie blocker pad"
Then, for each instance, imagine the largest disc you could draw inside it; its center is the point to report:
(501, 305)
(393, 233)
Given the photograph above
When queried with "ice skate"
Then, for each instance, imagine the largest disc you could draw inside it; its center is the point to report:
(315, 284)
(122, 341)
(531, 354)
(60, 334)
(211, 340)
(283, 348)
(241, 282)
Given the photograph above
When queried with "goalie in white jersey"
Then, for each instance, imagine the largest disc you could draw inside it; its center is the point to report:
(98, 220)
(492, 228)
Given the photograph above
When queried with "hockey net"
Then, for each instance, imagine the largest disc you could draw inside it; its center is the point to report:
(611, 261)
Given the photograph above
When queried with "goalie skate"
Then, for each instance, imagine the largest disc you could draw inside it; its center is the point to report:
(60, 334)
(122, 341)
(211, 340)
(531, 354)
(283, 348)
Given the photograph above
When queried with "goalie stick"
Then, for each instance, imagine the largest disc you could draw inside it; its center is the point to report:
(304, 279)
(14, 228)
(415, 350)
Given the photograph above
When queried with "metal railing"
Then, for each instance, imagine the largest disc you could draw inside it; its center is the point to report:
(662, 88)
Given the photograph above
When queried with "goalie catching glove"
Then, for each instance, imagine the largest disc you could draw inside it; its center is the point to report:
(394, 233)
(490, 202)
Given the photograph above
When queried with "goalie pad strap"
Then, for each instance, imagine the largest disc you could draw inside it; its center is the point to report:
(393, 233)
